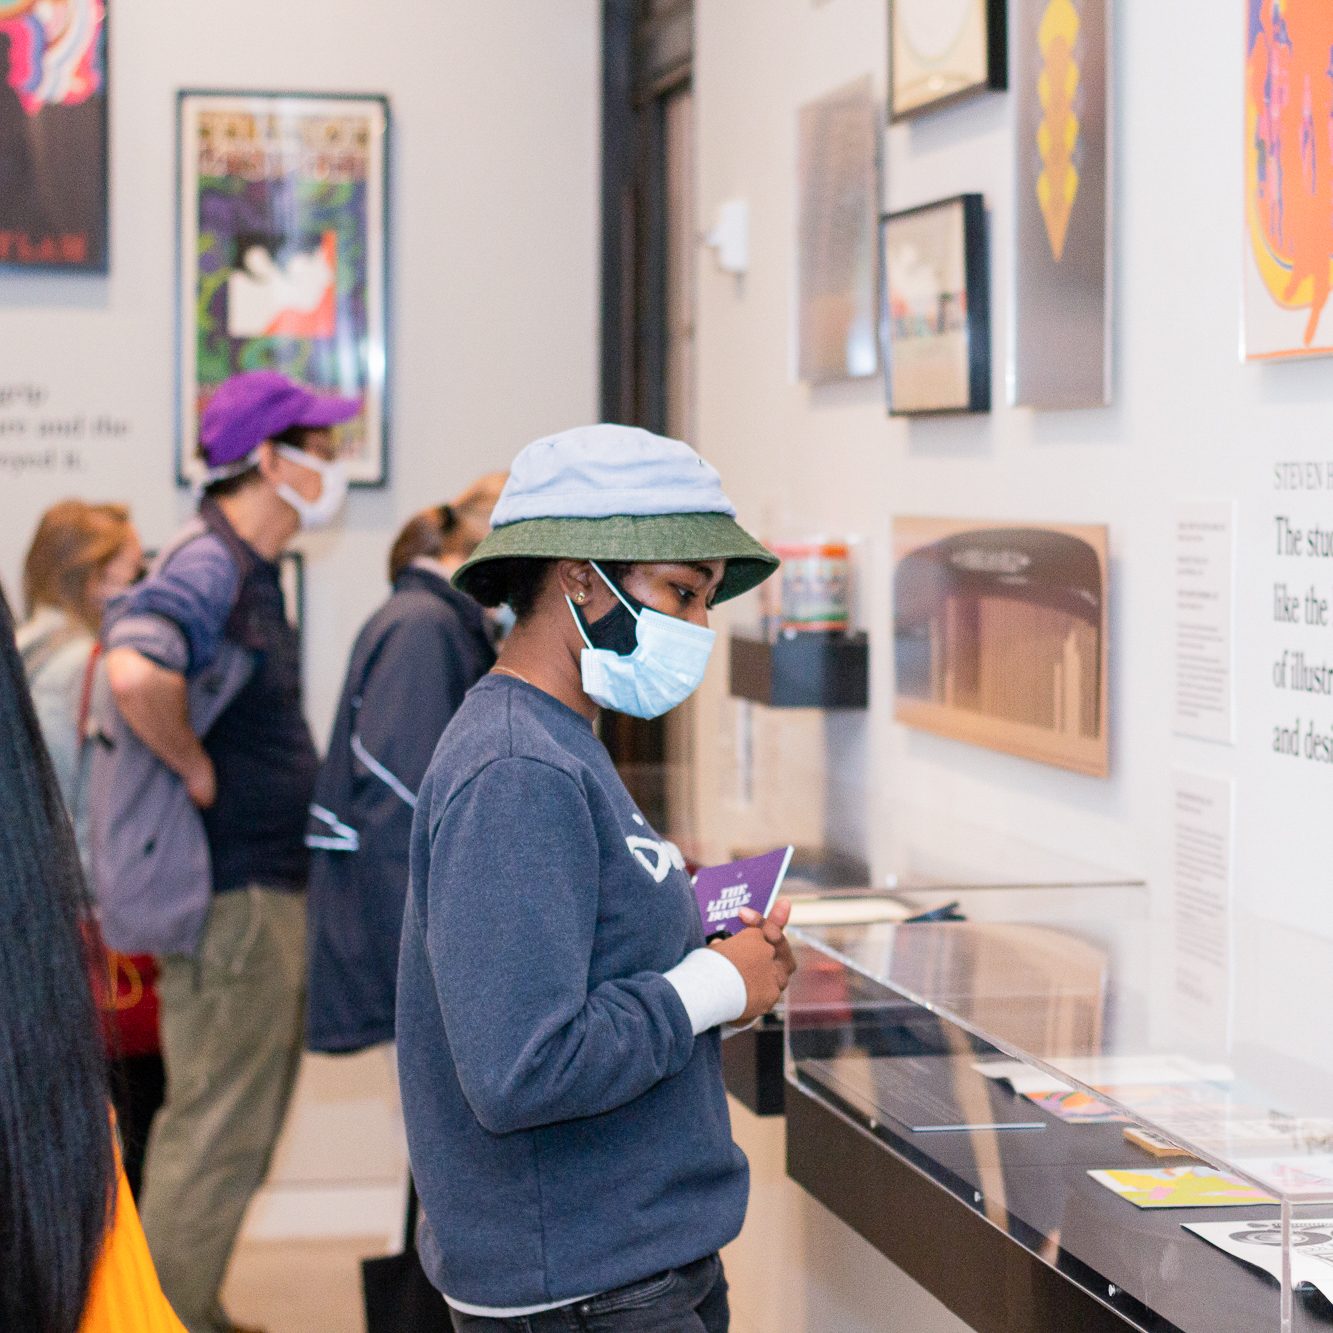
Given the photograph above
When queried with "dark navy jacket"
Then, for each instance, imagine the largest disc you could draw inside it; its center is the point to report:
(411, 665)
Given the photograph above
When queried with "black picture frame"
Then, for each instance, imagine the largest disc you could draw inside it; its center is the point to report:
(371, 470)
(954, 85)
(73, 135)
(958, 245)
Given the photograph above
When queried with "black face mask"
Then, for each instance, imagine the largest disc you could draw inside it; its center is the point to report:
(617, 629)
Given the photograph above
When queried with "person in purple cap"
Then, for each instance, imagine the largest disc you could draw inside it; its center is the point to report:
(201, 793)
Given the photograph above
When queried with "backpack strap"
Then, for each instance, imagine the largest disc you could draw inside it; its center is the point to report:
(86, 694)
(85, 730)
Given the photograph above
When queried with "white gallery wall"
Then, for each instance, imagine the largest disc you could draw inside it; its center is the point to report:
(1188, 422)
(494, 219)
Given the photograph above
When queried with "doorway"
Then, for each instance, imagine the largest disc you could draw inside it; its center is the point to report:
(648, 289)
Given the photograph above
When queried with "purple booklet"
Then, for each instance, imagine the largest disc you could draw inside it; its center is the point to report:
(721, 891)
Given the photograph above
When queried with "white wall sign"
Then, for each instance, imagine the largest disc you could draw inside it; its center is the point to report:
(1205, 647)
(1201, 860)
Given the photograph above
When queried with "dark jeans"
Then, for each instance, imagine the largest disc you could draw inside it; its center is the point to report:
(692, 1299)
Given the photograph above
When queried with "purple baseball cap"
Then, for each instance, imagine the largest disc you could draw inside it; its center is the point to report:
(248, 409)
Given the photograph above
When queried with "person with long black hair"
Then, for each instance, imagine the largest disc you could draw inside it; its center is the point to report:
(74, 1256)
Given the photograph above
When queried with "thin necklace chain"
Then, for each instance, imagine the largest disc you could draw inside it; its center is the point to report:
(509, 671)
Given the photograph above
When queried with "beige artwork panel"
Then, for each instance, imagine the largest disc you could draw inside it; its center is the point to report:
(1001, 636)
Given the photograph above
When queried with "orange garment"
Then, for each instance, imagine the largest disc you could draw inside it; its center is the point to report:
(125, 1295)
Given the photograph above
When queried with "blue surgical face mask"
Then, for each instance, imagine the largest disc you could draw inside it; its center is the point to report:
(664, 668)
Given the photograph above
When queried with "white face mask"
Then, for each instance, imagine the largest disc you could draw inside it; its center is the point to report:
(321, 511)
(665, 668)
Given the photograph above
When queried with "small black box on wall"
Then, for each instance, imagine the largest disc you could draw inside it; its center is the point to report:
(802, 670)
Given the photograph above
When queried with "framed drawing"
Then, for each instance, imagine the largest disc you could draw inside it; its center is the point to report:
(282, 255)
(941, 51)
(1060, 352)
(837, 183)
(935, 308)
(1288, 202)
(1000, 637)
(53, 135)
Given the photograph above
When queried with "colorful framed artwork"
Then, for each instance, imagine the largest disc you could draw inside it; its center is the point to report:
(1288, 201)
(935, 308)
(837, 174)
(53, 135)
(282, 227)
(1060, 351)
(1000, 637)
(941, 51)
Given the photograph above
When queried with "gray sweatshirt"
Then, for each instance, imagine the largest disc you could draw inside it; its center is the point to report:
(568, 1131)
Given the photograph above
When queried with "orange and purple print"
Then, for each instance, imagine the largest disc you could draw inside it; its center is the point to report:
(1288, 176)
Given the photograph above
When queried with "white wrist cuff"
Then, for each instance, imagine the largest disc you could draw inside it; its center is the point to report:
(710, 988)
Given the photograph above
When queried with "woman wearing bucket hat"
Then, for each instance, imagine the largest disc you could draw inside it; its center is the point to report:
(558, 1009)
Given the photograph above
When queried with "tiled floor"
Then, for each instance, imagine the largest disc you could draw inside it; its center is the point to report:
(299, 1286)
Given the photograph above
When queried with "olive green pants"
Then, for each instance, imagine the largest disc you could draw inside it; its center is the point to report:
(231, 1040)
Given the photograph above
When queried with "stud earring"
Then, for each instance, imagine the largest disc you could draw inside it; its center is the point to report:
(581, 598)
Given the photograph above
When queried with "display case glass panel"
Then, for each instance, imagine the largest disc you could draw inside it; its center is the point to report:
(1034, 1070)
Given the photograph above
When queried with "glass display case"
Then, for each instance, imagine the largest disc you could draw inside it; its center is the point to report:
(1025, 1116)
(941, 868)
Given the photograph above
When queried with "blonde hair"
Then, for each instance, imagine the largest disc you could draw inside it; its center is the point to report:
(73, 544)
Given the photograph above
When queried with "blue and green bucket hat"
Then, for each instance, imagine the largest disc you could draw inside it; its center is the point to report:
(618, 493)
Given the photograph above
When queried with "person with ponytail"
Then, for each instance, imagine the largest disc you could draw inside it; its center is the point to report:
(75, 1259)
(410, 667)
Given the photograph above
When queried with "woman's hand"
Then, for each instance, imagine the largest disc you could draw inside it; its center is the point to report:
(763, 957)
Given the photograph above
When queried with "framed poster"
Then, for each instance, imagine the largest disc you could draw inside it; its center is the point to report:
(53, 135)
(935, 308)
(1060, 352)
(941, 51)
(1000, 637)
(837, 184)
(1288, 201)
(282, 255)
